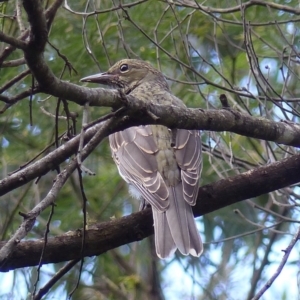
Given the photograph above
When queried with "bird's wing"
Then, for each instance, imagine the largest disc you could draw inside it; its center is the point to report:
(133, 151)
(189, 158)
(179, 214)
(187, 150)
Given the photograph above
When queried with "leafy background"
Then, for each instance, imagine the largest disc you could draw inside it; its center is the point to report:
(203, 53)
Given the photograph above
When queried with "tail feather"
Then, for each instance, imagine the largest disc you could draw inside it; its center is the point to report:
(196, 245)
(177, 219)
(176, 227)
(164, 242)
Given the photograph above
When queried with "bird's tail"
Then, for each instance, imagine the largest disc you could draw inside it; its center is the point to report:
(176, 228)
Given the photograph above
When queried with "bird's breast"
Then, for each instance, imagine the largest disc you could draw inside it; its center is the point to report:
(165, 156)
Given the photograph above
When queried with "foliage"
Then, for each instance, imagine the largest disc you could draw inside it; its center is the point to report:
(248, 52)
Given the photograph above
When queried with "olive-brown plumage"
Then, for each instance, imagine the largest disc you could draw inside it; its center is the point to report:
(162, 166)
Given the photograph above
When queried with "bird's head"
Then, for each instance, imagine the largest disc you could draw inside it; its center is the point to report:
(128, 74)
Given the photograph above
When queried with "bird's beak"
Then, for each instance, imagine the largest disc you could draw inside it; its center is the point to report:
(102, 78)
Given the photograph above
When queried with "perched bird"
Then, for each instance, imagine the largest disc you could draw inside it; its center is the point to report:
(162, 166)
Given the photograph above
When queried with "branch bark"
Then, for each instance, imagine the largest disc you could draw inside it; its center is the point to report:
(108, 235)
(172, 117)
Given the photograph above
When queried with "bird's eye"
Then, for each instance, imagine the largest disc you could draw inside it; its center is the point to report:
(124, 68)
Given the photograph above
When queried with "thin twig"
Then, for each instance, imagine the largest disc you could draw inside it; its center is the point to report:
(42, 291)
(286, 255)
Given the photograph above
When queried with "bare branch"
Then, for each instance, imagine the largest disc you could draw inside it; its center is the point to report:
(59, 182)
(12, 41)
(105, 236)
(286, 255)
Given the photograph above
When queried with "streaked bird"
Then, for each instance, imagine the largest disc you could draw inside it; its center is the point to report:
(162, 166)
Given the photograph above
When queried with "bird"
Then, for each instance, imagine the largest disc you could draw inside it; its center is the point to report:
(162, 166)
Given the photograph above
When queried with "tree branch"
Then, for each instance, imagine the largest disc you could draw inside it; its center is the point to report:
(108, 235)
(12, 41)
(285, 257)
(29, 218)
(172, 117)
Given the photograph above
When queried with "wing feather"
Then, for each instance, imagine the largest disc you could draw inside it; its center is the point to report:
(134, 153)
(189, 159)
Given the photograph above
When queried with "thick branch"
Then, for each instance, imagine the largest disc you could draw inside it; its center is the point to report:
(173, 117)
(248, 185)
(39, 32)
(214, 120)
(105, 236)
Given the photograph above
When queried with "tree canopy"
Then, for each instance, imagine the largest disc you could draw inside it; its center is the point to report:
(72, 229)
